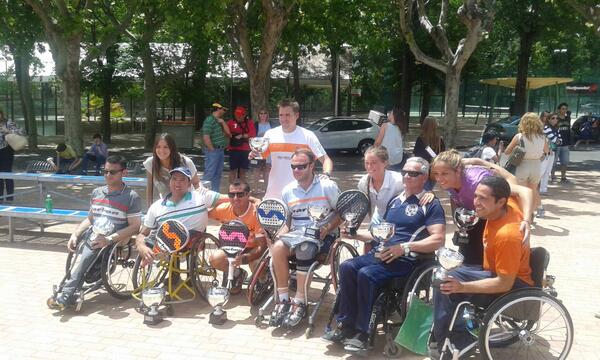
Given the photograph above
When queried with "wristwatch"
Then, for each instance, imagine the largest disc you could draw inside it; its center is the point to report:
(406, 248)
(111, 239)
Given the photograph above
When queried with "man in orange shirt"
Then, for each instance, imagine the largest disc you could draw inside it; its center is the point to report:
(505, 262)
(239, 208)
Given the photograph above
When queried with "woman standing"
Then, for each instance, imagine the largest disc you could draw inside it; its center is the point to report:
(390, 137)
(452, 174)
(554, 140)
(165, 158)
(7, 155)
(262, 126)
(429, 143)
(242, 129)
(529, 171)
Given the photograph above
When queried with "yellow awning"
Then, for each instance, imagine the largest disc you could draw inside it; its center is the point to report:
(532, 82)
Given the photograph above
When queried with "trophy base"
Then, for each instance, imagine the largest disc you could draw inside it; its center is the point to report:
(218, 318)
(460, 239)
(152, 319)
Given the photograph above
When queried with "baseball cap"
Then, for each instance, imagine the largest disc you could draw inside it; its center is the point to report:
(218, 106)
(185, 171)
(240, 111)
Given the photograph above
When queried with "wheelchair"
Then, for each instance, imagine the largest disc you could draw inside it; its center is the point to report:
(392, 303)
(111, 270)
(185, 275)
(523, 322)
(263, 283)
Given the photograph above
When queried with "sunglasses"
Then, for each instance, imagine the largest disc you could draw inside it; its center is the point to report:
(411, 173)
(299, 166)
(554, 118)
(112, 172)
(237, 194)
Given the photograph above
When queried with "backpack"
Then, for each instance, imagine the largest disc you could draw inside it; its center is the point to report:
(474, 152)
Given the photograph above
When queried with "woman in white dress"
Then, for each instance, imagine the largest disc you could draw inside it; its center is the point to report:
(390, 136)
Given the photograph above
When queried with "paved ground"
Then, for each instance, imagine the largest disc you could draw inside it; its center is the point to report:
(109, 328)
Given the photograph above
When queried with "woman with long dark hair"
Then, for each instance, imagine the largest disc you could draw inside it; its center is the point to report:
(165, 158)
(7, 155)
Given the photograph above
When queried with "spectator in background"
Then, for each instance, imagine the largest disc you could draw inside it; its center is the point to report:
(529, 171)
(490, 140)
(554, 140)
(215, 133)
(241, 129)
(98, 153)
(66, 159)
(390, 136)
(262, 126)
(429, 143)
(564, 129)
(585, 132)
(7, 154)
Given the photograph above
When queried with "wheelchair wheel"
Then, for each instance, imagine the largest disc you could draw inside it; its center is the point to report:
(204, 273)
(148, 275)
(342, 252)
(261, 282)
(418, 286)
(526, 322)
(117, 267)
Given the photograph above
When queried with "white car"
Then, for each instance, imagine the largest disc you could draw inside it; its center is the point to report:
(345, 133)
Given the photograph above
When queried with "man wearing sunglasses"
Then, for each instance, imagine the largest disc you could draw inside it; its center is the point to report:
(307, 190)
(239, 208)
(121, 206)
(418, 228)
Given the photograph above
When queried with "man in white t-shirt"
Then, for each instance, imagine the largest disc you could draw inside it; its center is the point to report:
(283, 141)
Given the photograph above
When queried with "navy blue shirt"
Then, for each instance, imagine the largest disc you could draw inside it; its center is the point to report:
(412, 219)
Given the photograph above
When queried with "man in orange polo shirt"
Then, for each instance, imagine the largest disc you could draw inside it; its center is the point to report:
(505, 262)
(239, 208)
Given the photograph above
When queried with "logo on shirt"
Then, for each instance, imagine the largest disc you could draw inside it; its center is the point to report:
(411, 210)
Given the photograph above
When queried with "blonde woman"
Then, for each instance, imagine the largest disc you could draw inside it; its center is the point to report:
(529, 171)
(429, 141)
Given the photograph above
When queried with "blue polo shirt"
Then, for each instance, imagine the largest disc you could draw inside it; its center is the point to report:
(412, 219)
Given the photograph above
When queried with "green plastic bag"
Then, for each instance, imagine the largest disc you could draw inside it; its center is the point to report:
(414, 332)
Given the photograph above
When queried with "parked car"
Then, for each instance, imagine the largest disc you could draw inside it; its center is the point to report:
(506, 127)
(576, 127)
(345, 133)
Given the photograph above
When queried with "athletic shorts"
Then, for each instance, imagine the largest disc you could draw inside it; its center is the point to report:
(238, 159)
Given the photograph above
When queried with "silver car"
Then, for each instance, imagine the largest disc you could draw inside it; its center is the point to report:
(345, 133)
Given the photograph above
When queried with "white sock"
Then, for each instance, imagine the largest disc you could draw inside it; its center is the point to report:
(283, 295)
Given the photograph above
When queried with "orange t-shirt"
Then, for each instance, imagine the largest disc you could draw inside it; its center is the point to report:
(504, 251)
(224, 213)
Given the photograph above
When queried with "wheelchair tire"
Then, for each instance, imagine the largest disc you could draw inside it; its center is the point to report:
(551, 324)
(418, 284)
(259, 290)
(117, 268)
(342, 251)
(204, 273)
(157, 275)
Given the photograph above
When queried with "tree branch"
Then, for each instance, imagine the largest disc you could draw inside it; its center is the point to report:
(437, 33)
(43, 12)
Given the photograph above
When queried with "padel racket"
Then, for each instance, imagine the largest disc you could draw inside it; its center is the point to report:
(353, 206)
(234, 237)
(271, 214)
(171, 236)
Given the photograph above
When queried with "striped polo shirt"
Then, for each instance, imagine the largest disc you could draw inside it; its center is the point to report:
(117, 206)
(214, 130)
(192, 210)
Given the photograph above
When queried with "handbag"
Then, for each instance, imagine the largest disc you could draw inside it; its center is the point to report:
(414, 332)
(15, 141)
(516, 156)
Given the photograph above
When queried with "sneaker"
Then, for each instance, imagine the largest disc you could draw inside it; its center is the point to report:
(56, 303)
(540, 213)
(279, 313)
(357, 344)
(238, 281)
(565, 181)
(338, 335)
(295, 315)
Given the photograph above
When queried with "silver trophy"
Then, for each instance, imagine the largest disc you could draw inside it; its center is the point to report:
(449, 259)
(465, 220)
(351, 223)
(217, 297)
(152, 299)
(317, 213)
(382, 232)
(102, 226)
(258, 145)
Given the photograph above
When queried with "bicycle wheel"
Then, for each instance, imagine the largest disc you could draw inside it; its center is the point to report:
(342, 252)
(261, 282)
(117, 271)
(202, 249)
(540, 327)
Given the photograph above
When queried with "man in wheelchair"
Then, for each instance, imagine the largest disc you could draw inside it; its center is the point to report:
(114, 204)
(182, 203)
(418, 228)
(240, 208)
(505, 263)
(307, 189)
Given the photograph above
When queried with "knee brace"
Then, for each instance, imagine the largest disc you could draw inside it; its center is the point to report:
(306, 252)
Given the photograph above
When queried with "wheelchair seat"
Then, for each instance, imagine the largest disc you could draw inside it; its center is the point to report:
(538, 261)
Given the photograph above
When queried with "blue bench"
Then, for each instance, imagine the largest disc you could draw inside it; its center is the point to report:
(32, 213)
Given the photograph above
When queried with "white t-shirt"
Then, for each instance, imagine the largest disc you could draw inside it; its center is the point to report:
(488, 154)
(392, 186)
(281, 147)
(392, 140)
(192, 210)
(161, 182)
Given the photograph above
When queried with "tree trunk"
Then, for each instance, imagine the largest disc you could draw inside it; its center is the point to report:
(108, 72)
(22, 64)
(150, 94)
(258, 93)
(525, 46)
(296, 89)
(451, 106)
(66, 58)
(335, 81)
(406, 87)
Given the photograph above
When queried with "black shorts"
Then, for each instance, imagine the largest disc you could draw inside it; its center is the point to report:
(238, 159)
